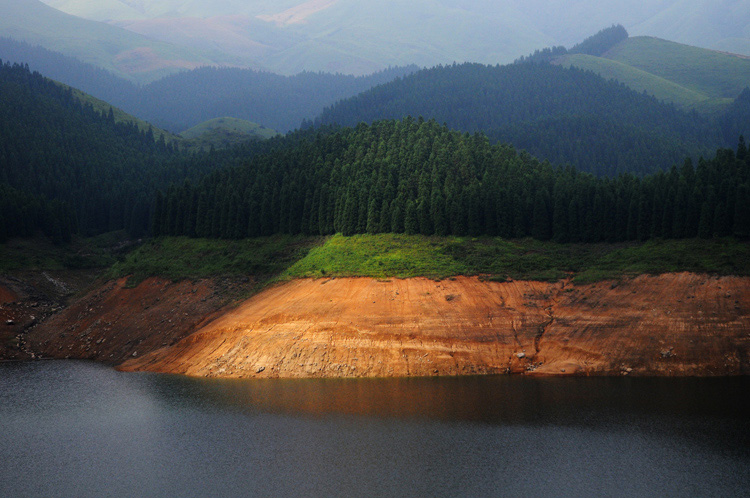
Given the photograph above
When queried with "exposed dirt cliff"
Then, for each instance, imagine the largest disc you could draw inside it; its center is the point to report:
(675, 324)
(115, 322)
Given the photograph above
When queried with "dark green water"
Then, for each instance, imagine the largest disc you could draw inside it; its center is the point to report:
(72, 429)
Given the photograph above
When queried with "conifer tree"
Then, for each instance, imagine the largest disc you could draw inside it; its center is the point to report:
(411, 221)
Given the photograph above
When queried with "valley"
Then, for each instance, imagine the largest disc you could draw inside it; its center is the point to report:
(435, 248)
(556, 223)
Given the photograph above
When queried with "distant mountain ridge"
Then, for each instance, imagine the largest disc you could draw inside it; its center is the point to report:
(186, 99)
(363, 36)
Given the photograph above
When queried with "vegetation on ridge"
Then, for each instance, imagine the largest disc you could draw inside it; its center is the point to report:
(407, 256)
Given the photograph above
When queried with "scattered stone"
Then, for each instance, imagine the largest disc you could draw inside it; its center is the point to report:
(260, 369)
(135, 353)
(667, 353)
(520, 355)
(9, 322)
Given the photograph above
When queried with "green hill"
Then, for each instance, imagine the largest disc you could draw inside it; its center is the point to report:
(568, 116)
(689, 77)
(227, 131)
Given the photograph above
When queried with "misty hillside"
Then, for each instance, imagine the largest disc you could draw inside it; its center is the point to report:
(363, 36)
(188, 98)
(183, 100)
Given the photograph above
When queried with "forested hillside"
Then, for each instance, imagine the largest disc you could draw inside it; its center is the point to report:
(601, 42)
(60, 156)
(736, 120)
(415, 176)
(568, 116)
(69, 168)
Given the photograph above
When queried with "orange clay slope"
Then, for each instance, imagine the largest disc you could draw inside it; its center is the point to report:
(674, 324)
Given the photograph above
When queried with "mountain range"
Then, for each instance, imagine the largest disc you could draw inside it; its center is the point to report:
(146, 39)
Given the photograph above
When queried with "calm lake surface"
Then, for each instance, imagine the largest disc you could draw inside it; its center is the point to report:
(76, 429)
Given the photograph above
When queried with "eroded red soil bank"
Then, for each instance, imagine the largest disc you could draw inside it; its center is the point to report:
(676, 324)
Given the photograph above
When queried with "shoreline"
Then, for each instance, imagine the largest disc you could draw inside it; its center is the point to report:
(675, 325)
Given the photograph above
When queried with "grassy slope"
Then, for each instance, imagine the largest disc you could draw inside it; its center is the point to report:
(403, 256)
(40, 254)
(714, 74)
(636, 79)
(180, 257)
(689, 77)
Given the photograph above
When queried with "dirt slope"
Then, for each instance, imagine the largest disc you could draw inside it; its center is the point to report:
(114, 322)
(28, 298)
(677, 324)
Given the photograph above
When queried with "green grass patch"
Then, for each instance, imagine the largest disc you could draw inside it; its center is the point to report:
(714, 74)
(641, 81)
(380, 256)
(404, 256)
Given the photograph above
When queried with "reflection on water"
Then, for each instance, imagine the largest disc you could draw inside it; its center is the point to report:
(500, 399)
(79, 429)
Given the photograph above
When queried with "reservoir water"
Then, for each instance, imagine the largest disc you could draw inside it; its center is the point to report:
(76, 429)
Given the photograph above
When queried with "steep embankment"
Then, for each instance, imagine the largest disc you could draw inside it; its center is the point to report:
(30, 297)
(115, 322)
(674, 324)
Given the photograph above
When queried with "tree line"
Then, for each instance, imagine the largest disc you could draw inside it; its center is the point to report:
(595, 45)
(418, 177)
